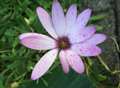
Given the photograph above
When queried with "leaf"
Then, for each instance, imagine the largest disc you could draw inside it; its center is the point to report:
(98, 17)
(57, 79)
(1, 82)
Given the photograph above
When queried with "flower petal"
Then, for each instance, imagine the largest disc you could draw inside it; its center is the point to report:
(58, 18)
(64, 61)
(44, 64)
(82, 35)
(71, 17)
(86, 49)
(83, 18)
(96, 39)
(37, 41)
(46, 21)
(75, 61)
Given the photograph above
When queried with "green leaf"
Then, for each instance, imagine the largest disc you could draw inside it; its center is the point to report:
(1, 82)
(57, 79)
(98, 17)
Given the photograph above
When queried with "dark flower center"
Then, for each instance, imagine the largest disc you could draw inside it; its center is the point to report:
(63, 43)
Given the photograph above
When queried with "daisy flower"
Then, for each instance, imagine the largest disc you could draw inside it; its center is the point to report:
(70, 38)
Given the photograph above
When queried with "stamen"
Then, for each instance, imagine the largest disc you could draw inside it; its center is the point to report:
(63, 43)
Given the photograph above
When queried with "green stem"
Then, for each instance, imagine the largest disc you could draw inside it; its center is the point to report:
(104, 64)
(117, 46)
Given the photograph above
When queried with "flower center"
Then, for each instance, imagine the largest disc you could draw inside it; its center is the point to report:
(63, 43)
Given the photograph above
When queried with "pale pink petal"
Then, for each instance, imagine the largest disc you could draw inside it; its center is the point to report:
(75, 61)
(71, 18)
(96, 39)
(83, 18)
(86, 49)
(46, 21)
(81, 35)
(58, 18)
(64, 61)
(44, 64)
(37, 41)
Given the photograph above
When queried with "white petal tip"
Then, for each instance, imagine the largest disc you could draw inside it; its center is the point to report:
(38, 9)
(33, 78)
(105, 37)
(81, 71)
(24, 35)
(74, 5)
(89, 10)
(55, 0)
(66, 72)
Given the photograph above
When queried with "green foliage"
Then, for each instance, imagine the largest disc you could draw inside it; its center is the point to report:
(57, 79)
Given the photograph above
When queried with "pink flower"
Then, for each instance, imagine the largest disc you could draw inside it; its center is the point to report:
(70, 39)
